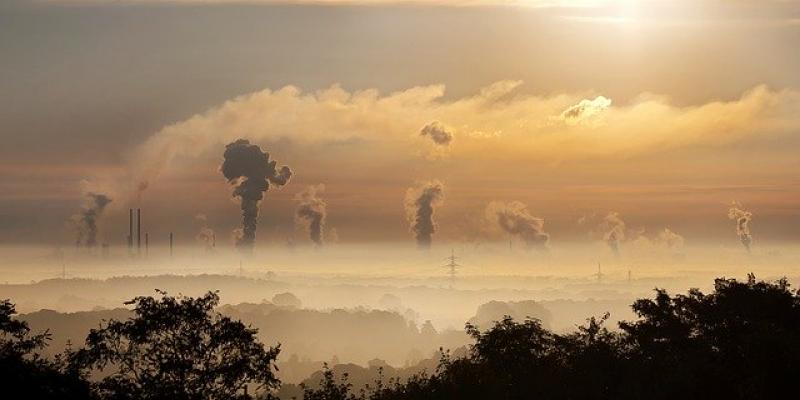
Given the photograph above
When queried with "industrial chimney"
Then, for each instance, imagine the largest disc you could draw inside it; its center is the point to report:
(139, 231)
(130, 230)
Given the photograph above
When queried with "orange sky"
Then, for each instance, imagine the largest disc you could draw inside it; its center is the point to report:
(662, 111)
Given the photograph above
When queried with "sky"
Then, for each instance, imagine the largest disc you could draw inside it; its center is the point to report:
(663, 112)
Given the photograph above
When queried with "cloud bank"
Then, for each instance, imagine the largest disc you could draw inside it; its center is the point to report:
(496, 123)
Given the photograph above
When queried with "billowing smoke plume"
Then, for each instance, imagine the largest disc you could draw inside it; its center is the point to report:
(251, 172)
(207, 237)
(420, 204)
(742, 218)
(86, 221)
(515, 219)
(312, 211)
(613, 231)
(438, 133)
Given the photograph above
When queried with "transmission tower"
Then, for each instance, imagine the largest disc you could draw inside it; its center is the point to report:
(452, 264)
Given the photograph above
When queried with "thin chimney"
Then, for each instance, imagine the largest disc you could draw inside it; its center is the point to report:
(139, 230)
(170, 244)
(146, 244)
(130, 229)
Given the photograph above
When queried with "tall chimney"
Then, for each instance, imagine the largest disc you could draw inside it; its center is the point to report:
(146, 244)
(139, 230)
(170, 244)
(130, 229)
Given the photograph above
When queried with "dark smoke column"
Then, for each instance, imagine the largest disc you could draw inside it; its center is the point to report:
(312, 211)
(251, 172)
(420, 203)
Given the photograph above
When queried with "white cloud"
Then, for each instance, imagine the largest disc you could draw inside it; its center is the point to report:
(497, 123)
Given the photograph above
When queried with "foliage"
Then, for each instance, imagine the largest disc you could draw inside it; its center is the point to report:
(23, 370)
(178, 348)
(739, 342)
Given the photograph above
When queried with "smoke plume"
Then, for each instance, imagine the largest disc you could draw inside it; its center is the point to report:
(742, 218)
(515, 219)
(438, 133)
(670, 239)
(312, 211)
(613, 231)
(207, 237)
(86, 221)
(420, 204)
(251, 172)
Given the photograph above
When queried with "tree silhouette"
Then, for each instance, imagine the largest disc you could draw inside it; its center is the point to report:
(177, 348)
(739, 342)
(25, 372)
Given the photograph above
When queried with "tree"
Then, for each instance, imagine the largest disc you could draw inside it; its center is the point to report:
(23, 370)
(739, 342)
(329, 388)
(178, 348)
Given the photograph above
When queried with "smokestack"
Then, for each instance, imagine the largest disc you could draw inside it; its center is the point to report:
(170, 244)
(146, 244)
(130, 230)
(139, 230)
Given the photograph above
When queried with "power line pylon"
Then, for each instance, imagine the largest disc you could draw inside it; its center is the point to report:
(452, 264)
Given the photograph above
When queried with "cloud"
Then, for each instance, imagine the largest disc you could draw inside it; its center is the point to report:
(585, 109)
(498, 123)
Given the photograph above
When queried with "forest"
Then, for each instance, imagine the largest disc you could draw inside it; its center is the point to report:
(738, 341)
